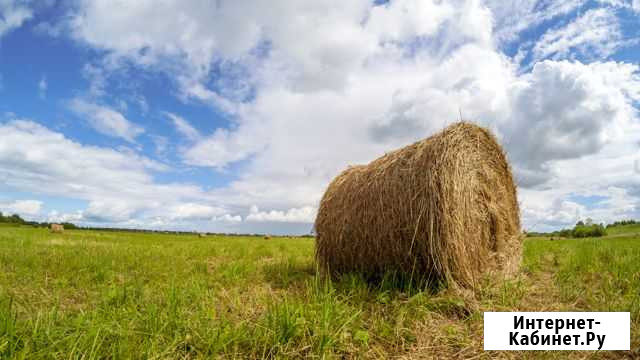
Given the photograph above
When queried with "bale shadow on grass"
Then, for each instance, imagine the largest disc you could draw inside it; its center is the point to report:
(288, 273)
(426, 292)
(389, 281)
(391, 287)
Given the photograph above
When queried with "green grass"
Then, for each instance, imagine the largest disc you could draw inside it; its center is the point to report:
(85, 294)
(624, 229)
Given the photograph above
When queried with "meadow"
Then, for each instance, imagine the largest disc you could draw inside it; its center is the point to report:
(124, 295)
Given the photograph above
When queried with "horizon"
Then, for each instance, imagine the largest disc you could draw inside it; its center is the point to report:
(233, 117)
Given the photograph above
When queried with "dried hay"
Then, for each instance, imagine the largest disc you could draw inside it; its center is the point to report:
(57, 228)
(444, 208)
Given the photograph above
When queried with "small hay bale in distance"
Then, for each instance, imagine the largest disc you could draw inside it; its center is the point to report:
(202, 235)
(267, 237)
(444, 208)
(56, 228)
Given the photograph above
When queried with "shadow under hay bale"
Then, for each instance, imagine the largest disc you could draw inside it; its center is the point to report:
(444, 208)
(286, 273)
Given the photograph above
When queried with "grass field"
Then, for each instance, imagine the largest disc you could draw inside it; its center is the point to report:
(85, 294)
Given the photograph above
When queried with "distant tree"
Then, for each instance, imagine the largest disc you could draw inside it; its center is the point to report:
(68, 225)
(564, 233)
(16, 219)
(622, 223)
(583, 231)
(580, 223)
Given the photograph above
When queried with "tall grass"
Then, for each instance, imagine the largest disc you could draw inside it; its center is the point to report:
(86, 294)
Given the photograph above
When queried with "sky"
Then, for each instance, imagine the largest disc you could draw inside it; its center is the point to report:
(233, 116)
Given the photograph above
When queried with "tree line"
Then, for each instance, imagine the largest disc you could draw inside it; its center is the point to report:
(16, 220)
(584, 229)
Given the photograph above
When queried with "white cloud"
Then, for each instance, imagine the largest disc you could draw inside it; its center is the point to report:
(183, 127)
(222, 148)
(305, 214)
(203, 31)
(228, 218)
(42, 87)
(380, 98)
(55, 216)
(125, 28)
(13, 14)
(161, 144)
(116, 210)
(558, 213)
(511, 17)
(624, 4)
(37, 159)
(28, 208)
(544, 212)
(195, 211)
(403, 20)
(609, 174)
(595, 34)
(106, 120)
(565, 110)
(97, 79)
(311, 87)
(118, 185)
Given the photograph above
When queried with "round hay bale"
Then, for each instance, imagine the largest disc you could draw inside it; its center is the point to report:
(56, 228)
(444, 208)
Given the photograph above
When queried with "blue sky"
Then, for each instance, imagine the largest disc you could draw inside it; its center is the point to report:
(233, 116)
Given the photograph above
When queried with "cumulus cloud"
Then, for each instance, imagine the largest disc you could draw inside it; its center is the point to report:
(609, 175)
(55, 216)
(305, 214)
(144, 24)
(403, 20)
(565, 110)
(13, 13)
(311, 87)
(118, 186)
(27, 208)
(38, 159)
(228, 218)
(288, 132)
(110, 211)
(561, 213)
(207, 31)
(195, 211)
(363, 82)
(549, 212)
(223, 148)
(105, 120)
